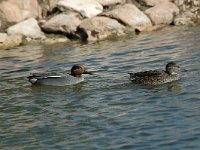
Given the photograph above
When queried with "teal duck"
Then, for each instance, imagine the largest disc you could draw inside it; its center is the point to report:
(157, 77)
(57, 79)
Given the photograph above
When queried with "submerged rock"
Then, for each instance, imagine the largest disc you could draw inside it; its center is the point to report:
(87, 8)
(162, 13)
(28, 28)
(129, 15)
(65, 23)
(97, 28)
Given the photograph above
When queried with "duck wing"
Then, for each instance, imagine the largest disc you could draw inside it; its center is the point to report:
(149, 73)
(34, 77)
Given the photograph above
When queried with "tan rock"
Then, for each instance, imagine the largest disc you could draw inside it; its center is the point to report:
(66, 23)
(110, 2)
(87, 8)
(11, 41)
(149, 29)
(129, 15)
(162, 13)
(97, 28)
(14, 11)
(28, 28)
(153, 2)
(55, 40)
(185, 18)
(3, 37)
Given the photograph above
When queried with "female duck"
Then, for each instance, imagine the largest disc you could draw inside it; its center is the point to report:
(156, 77)
(59, 80)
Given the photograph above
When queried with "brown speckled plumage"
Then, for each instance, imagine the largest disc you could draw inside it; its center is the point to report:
(156, 77)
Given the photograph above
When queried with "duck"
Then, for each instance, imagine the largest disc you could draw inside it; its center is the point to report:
(158, 76)
(55, 79)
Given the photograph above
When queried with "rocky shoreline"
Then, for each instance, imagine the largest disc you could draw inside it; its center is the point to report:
(24, 21)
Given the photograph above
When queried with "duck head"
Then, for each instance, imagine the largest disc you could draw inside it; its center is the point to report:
(78, 70)
(172, 68)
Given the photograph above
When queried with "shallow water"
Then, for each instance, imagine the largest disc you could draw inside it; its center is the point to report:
(106, 111)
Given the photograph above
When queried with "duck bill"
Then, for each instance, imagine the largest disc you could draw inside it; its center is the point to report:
(87, 72)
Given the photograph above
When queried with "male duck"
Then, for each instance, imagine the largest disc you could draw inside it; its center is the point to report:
(156, 77)
(59, 80)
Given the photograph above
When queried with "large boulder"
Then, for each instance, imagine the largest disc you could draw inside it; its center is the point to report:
(129, 15)
(162, 13)
(97, 28)
(107, 3)
(28, 28)
(65, 23)
(14, 11)
(87, 8)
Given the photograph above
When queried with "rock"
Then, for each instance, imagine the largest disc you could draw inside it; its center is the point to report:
(11, 41)
(28, 28)
(14, 11)
(97, 28)
(55, 40)
(48, 7)
(129, 15)
(87, 8)
(110, 2)
(66, 23)
(153, 2)
(3, 37)
(162, 13)
(185, 18)
(179, 2)
(48, 4)
(138, 4)
(148, 29)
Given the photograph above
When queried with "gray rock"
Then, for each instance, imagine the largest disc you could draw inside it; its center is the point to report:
(129, 15)
(87, 8)
(162, 13)
(28, 28)
(97, 28)
(66, 23)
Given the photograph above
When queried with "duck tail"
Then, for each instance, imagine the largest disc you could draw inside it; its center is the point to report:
(32, 79)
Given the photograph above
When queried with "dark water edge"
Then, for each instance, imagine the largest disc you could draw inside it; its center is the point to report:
(106, 111)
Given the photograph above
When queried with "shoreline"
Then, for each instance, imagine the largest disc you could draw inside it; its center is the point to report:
(61, 21)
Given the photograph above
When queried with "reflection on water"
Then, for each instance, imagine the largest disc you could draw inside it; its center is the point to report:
(106, 111)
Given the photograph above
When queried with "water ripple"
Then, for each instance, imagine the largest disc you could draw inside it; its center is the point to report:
(106, 111)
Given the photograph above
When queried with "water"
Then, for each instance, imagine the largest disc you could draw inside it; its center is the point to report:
(106, 111)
